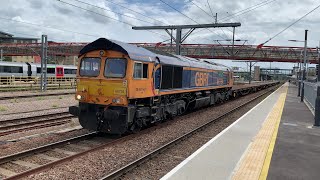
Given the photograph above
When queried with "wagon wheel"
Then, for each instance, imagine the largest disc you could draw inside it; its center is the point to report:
(136, 126)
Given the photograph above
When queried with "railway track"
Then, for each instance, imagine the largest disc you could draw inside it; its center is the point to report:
(35, 168)
(35, 122)
(25, 112)
(84, 144)
(130, 166)
(34, 95)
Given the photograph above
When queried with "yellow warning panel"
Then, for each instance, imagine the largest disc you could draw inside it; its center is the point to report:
(255, 163)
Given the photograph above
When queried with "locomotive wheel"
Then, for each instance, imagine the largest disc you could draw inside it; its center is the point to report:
(136, 126)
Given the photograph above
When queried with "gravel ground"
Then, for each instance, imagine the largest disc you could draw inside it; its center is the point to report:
(33, 113)
(38, 105)
(40, 137)
(55, 154)
(72, 149)
(14, 167)
(23, 93)
(96, 164)
(33, 99)
(36, 160)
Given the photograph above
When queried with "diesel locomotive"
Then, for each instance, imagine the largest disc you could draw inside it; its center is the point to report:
(122, 87)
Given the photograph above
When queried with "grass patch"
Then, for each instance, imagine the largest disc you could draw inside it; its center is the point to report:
(55, 106)
(40, 98)
(2, 108)
(60, 97)
(14, 100)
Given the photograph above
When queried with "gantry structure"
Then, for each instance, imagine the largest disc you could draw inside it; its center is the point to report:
(207, 51)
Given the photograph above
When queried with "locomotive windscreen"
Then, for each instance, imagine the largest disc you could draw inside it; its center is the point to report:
(90, 67)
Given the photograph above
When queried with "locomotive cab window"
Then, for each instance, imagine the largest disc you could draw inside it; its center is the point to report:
(115, 68)
(90, 67)
(140, 70)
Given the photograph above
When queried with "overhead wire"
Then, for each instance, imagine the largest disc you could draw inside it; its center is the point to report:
(121, 14)
(188, 17)
(118, 4)
(260, 45)
(104, 15)
(211, 15)
(201, 9)
(247, 10)
(243, 11)
(33, 36)
(210, 8)
(48, 27)
(91, 11)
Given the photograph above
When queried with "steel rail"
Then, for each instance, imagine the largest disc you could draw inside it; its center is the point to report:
(68, 158)
(34, 95)
(6, 159)
(34, 124)
(24, 112)
(35, 117)
(3, 133)
(123, 170)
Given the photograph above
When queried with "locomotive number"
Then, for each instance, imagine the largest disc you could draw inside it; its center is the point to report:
(220, 81)
(201, 79)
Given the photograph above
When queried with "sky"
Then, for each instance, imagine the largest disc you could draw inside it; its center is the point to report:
(64, 21)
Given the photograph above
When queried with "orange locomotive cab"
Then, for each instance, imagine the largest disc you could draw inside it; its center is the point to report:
(105, 71)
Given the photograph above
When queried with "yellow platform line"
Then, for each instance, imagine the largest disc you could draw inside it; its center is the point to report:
(256, 161)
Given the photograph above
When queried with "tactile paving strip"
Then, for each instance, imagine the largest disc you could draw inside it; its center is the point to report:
(253, 162)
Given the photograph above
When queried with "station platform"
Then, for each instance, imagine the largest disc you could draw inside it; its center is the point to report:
(274, 140)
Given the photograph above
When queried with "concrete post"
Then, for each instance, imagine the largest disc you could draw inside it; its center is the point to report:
(1, 54)
(250, 72)
(304, 64)
(317, 104)
(44, 47)
(178, 41)
(317, 107)
(233, 32)
(300, 75)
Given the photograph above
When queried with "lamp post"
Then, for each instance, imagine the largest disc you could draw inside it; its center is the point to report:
(304, 63)
(303, 76)
(299, 75)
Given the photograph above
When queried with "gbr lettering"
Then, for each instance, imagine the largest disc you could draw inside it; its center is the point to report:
(201, 79)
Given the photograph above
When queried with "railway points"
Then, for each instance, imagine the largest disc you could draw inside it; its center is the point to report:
(260, 144)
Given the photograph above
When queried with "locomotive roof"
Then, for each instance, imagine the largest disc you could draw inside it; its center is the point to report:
(141, 54)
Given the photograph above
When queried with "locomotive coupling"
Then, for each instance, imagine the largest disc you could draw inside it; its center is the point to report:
(74, 110)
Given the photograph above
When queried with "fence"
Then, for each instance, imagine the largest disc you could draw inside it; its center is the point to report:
(33, 83)
(310, 93)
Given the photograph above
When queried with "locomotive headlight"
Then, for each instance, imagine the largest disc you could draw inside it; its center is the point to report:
(79, 97)
(116, 100)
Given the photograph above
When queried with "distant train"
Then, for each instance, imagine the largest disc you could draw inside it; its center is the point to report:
(19, 69)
